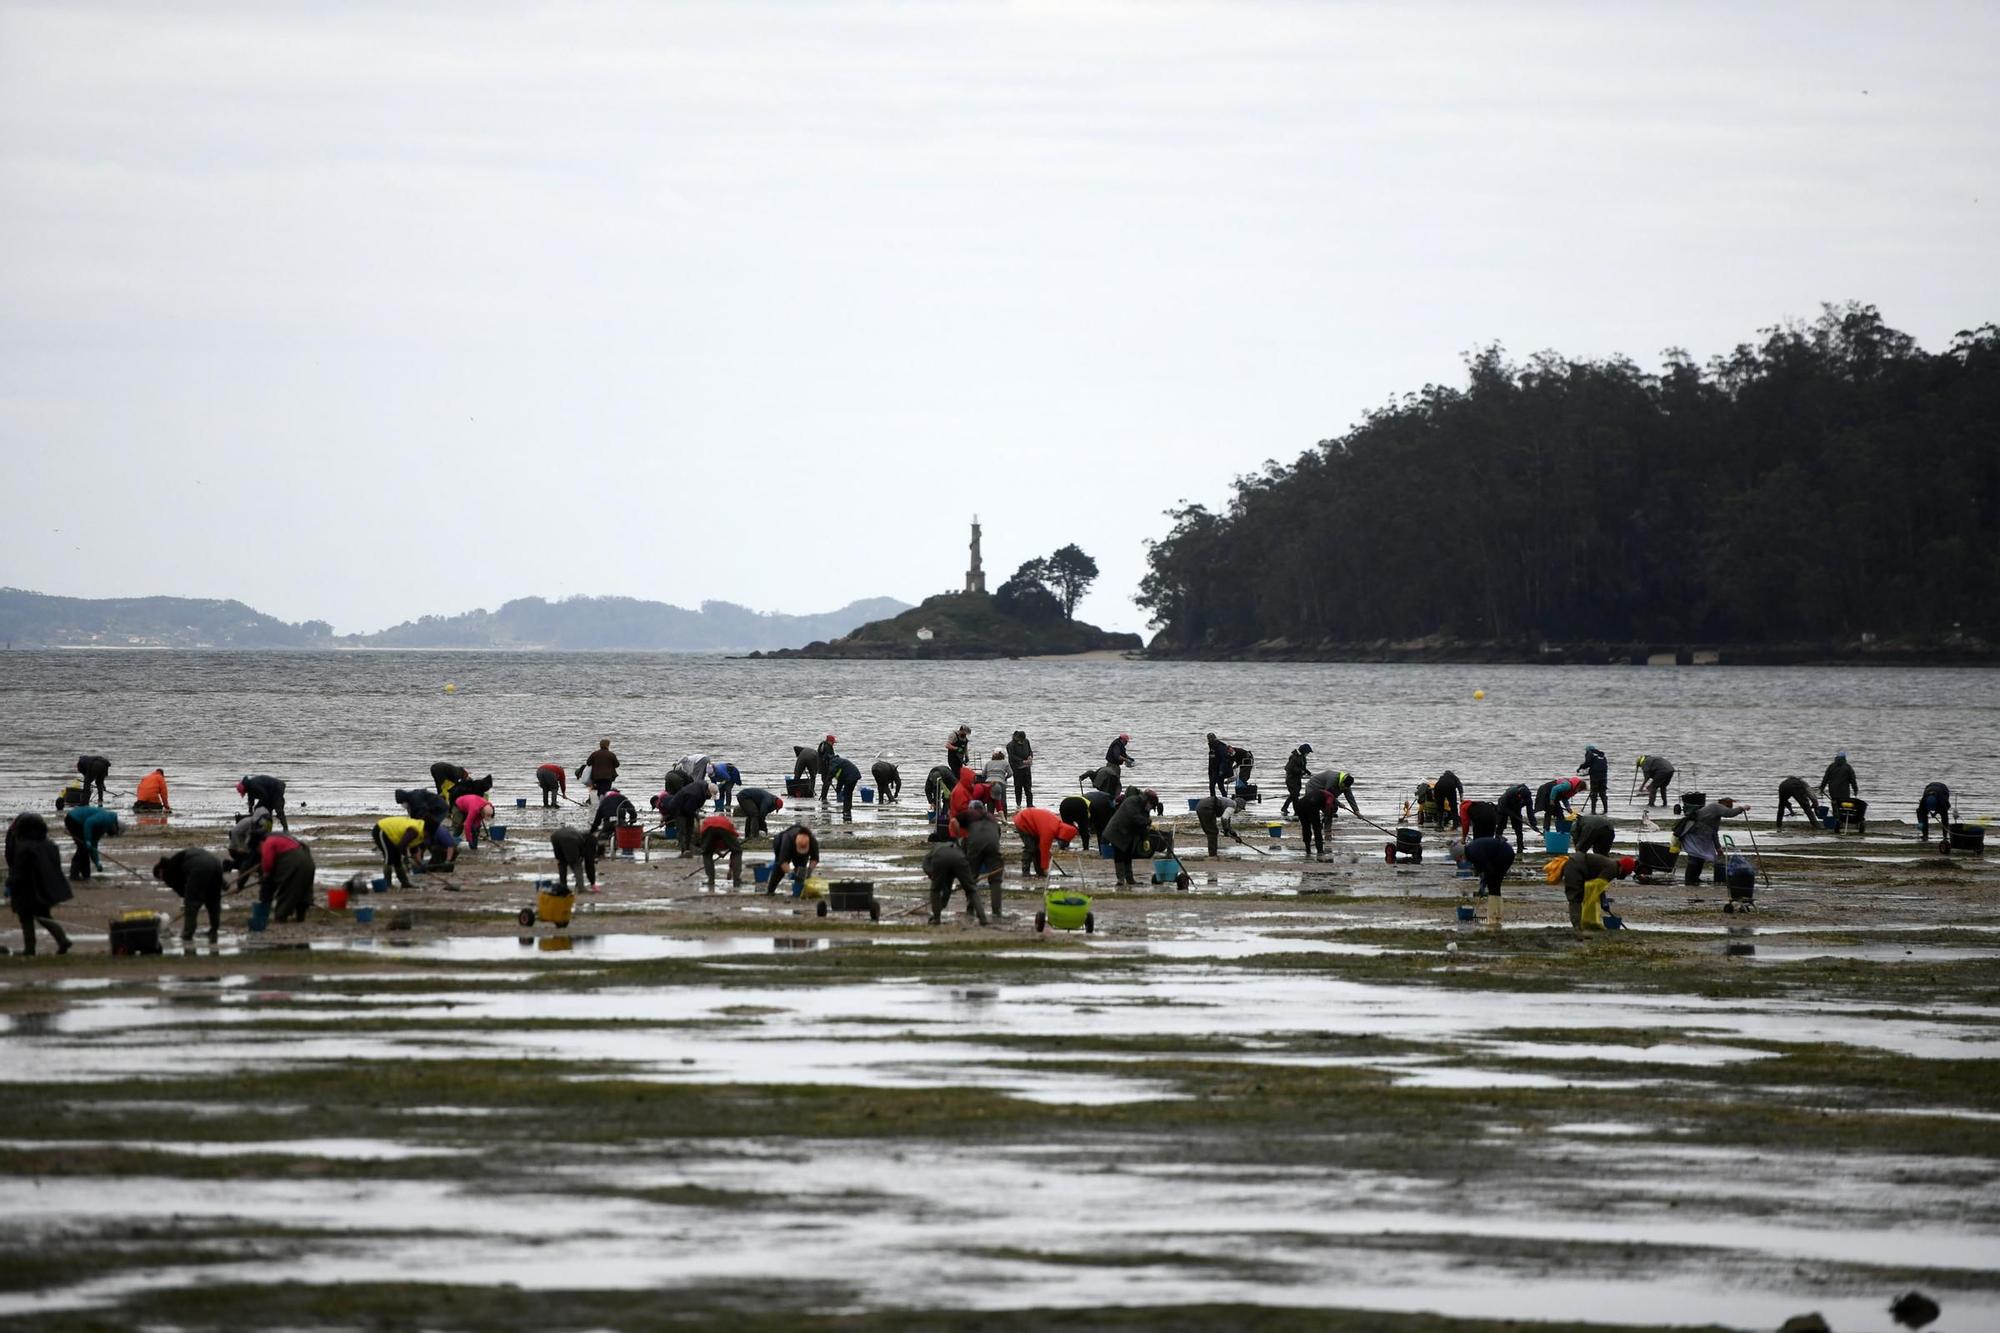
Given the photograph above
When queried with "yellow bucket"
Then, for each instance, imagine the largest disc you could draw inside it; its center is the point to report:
(815, 888)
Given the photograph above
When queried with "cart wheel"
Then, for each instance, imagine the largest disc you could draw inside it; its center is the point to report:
(822, 907)
(1183, 882)
(1041, 922)
(527, 917)
(1090, 923)
(874, 910)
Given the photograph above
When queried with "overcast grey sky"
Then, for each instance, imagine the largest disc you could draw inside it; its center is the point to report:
(365, 311)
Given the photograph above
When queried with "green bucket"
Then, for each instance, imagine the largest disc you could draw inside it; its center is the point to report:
(1066, 910)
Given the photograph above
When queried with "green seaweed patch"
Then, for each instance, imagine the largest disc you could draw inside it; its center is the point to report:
(128, 1162)
(1243, 1269)
(767, 1306)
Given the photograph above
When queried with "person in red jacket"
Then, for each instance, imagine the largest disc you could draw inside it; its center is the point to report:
(961, 796)
(717, 835)
(287, 874)
(552, 778)
(1041, 832)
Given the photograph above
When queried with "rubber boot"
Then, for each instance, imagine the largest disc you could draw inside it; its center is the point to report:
(997, 913)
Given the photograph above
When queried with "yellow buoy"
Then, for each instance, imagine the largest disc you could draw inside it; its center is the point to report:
(450, 688)
(1479, 694)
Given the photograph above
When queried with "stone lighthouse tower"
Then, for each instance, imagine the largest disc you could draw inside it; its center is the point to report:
(975, 577)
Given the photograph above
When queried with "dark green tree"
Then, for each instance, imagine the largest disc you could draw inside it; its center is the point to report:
(1069, 572)
(1828, 480)
(1026, 595)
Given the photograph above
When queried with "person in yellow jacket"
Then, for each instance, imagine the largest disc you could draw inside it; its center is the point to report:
(398, 837)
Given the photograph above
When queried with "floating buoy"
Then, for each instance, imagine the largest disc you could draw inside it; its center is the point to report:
(450, 688)
(1477, 694)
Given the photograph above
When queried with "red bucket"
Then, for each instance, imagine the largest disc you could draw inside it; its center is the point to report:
(630, 839)
(336, 900)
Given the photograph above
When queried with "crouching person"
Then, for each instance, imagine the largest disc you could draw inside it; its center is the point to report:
(945, 865)
(575, 850)
(1041, 832)
(718, 835)
(982, 849)
(196, 875)
(396, 839)
(1585, 879)
(1213, 812)
(794, 852)
(287, 868)
(1490, 857)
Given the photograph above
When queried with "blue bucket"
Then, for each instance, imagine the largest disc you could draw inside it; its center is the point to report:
(1103, 850)
(1193, 801)
(1276, 830)
(867, 796)
(520, 803)
(380, 884)
(497, 832)
(260, 915)
(1467, 914)
(1555, 844)
(762, 873)
(364, 916)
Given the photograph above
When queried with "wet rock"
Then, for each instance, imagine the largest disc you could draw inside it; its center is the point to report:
(1913, 1309)
(1804, 1323)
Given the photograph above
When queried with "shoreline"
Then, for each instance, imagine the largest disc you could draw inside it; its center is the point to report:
(1418, 653)
(1451, 653)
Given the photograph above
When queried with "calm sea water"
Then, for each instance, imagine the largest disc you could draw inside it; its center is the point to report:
(346, 728)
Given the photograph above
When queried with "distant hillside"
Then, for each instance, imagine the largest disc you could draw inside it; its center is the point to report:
(625, 623)
(968, 625)
(32, 619)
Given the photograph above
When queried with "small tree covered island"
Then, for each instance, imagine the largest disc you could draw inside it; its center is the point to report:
(1032, 614)
(1831, 492)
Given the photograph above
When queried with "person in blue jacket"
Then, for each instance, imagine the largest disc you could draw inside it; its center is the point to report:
(87, 826)
(844, 775)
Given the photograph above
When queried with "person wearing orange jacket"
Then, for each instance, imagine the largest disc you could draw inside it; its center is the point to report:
(1040, 830)
(152, 793)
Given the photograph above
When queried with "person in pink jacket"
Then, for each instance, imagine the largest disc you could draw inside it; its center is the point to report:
(468, 813)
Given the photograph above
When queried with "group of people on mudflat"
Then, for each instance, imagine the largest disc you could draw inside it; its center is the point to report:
(969, 802)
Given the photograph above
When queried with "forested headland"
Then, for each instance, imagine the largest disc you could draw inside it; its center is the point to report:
(1829, 490)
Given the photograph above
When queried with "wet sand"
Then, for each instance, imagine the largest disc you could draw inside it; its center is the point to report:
(1301, 1088)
